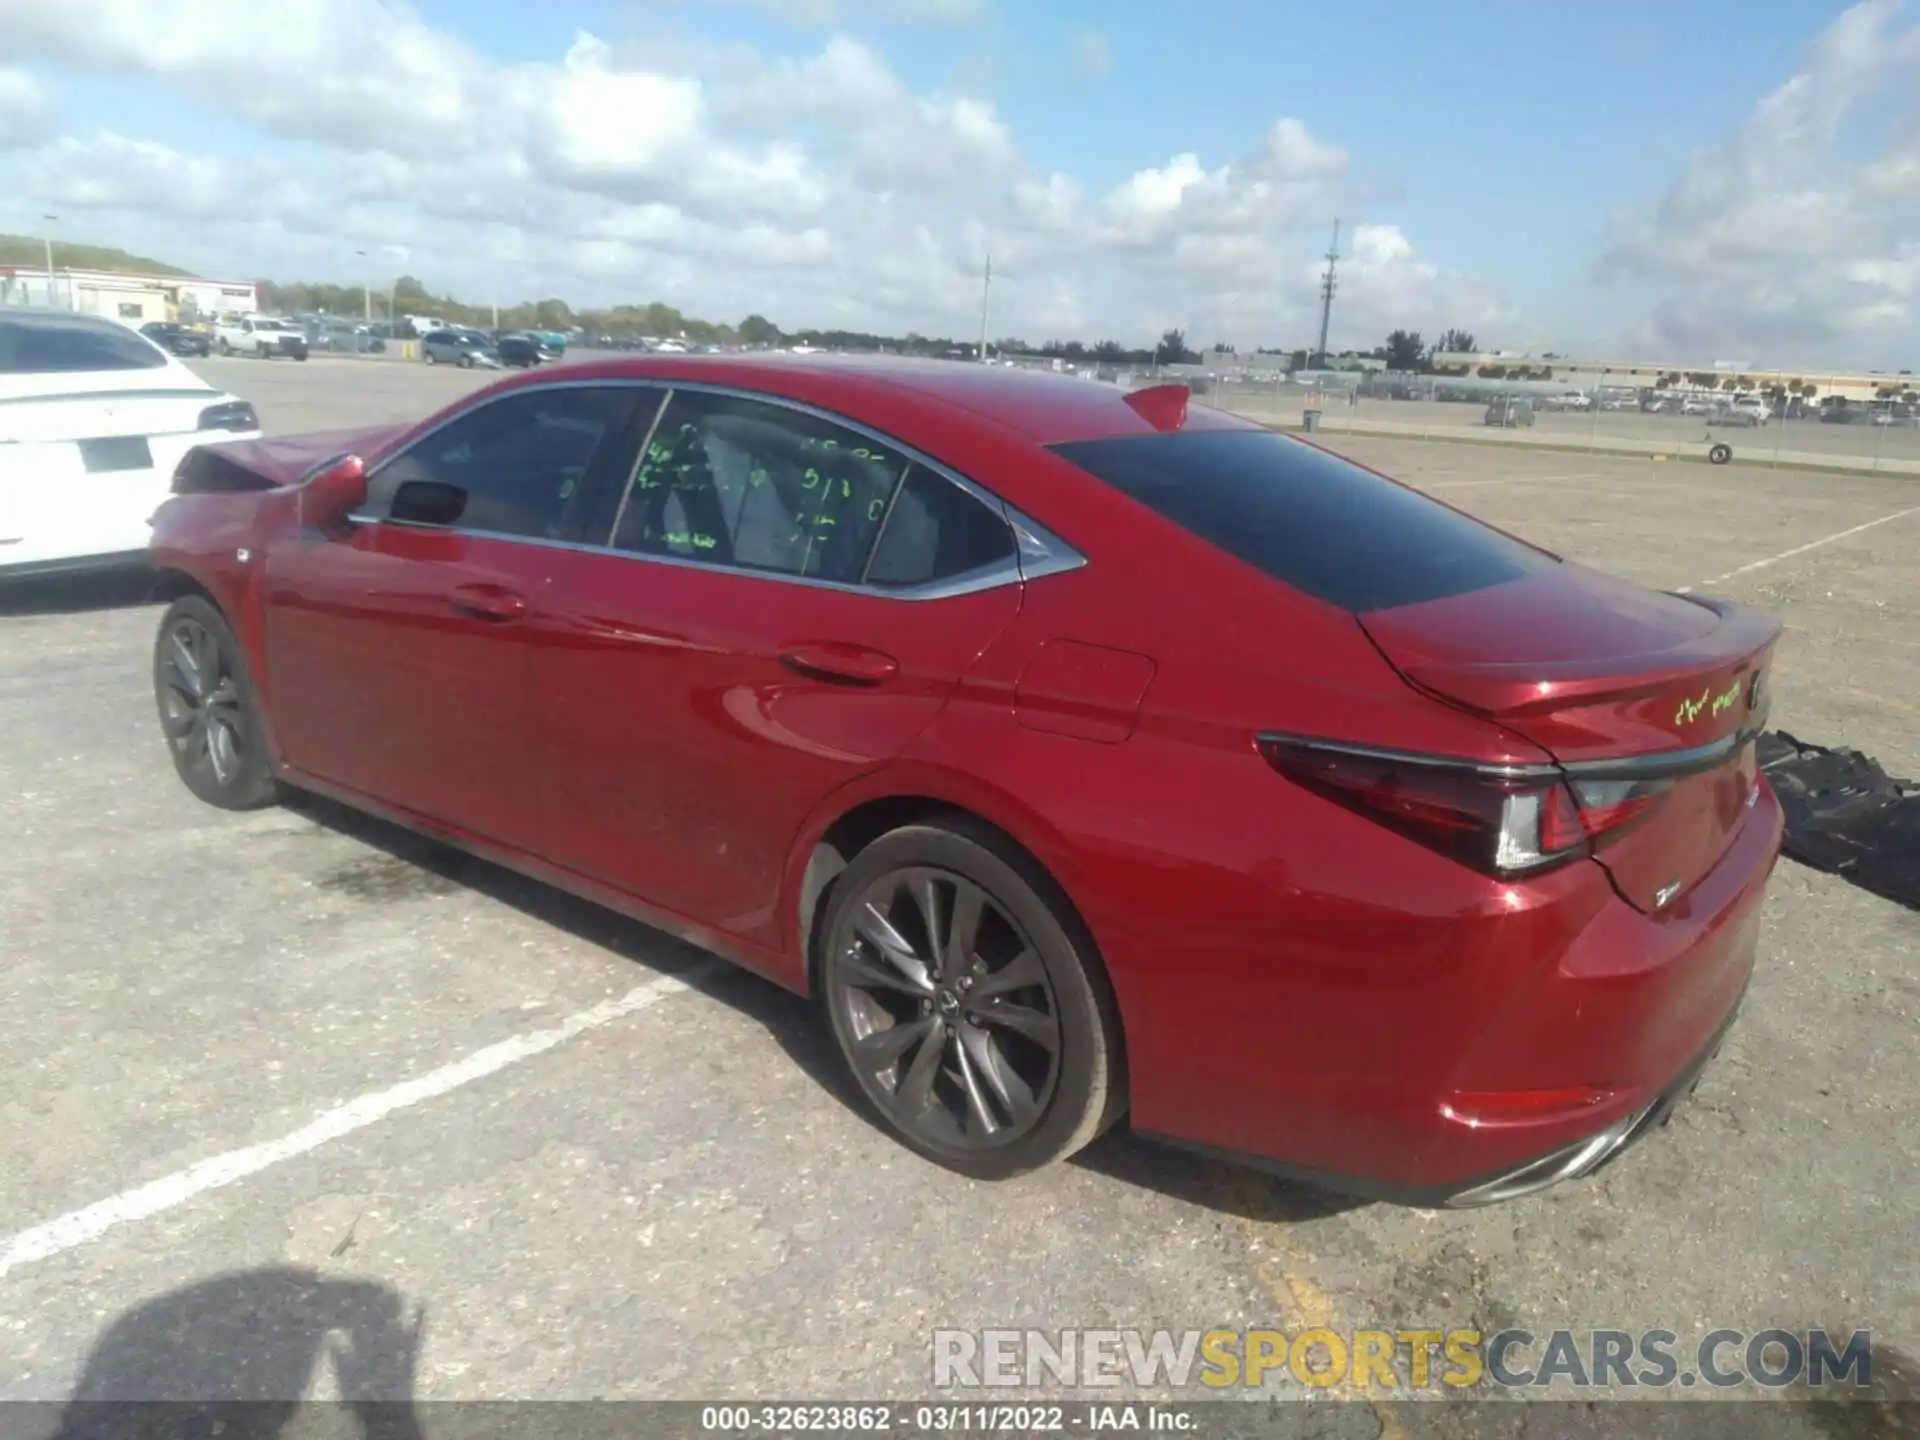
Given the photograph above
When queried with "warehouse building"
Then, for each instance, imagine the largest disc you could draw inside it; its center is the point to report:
(135, 299)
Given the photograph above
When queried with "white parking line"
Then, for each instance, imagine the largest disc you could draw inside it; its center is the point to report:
(1802, 549)
(83, 1226)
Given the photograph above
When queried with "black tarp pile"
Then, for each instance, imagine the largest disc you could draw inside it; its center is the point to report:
(1846, 815)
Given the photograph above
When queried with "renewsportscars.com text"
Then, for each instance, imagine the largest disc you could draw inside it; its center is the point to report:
(1400, 1359)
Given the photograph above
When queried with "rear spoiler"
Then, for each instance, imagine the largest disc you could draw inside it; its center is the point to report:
(1517, 689)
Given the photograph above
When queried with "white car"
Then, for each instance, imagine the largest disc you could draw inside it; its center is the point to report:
(93, 419)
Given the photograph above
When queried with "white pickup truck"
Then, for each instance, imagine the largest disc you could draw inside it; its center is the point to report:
(261, 336)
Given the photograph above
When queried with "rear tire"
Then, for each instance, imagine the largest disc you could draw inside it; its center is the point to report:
(993, 1053)
(427, 355)
(209, 709)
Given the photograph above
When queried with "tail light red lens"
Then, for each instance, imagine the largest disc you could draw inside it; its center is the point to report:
(1498, 820)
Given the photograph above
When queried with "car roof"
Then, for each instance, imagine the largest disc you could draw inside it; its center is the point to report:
(1043, 407)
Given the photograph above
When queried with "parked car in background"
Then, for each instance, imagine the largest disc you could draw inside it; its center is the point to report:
(950, 694)
(522, 351)
(93, 418)
(178, 339)
(1509, 414)
(261, 336)
(466, 348)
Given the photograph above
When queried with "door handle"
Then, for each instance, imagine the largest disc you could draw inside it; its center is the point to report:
(489, 602)
(841, 664)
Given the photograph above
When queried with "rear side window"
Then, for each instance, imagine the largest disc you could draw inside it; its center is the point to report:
(64, 344)
(1309, 519)
(937, 531)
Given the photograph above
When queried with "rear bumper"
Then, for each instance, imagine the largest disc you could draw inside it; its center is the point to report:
(1576, 1161)
(1441, 1059)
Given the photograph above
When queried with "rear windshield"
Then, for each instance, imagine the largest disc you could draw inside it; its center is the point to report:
(1309, 519)
(66, 344)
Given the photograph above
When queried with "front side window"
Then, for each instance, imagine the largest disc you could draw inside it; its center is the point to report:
(519, 463)
(739, 482)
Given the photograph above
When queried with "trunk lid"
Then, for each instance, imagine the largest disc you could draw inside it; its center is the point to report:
(286, 459)
(102, 411)
(1614, 681)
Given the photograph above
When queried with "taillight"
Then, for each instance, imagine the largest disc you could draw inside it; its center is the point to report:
(1500, 820)
(235, 415)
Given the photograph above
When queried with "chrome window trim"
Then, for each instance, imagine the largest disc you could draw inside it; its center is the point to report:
(1038, 551)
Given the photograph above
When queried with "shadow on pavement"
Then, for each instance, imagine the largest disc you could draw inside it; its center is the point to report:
(76, 594)
(234, 1356)
(417, 865)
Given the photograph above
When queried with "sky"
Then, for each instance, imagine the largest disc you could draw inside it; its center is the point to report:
(1712, 181)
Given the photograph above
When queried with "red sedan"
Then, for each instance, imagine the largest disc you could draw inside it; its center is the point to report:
(1082, 752)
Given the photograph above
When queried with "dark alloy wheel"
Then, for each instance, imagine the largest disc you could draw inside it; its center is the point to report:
(970, 1016)
(208, 711)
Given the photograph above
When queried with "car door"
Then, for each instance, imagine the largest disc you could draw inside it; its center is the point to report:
(396, 645)
(784, 604)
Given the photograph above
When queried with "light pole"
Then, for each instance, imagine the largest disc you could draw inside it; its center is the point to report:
(50, 221)
(986, 288)
(366, 287)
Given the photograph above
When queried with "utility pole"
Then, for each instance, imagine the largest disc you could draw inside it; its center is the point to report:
(366, 288)
(50, 221)
(1328, 284)
(986, 287)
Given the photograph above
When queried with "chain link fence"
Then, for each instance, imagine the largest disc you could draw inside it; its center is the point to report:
(1809, 428)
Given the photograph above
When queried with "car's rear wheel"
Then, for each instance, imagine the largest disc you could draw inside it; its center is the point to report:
(466, 362)
(209, 710)
(427, 355)
(968, 1003)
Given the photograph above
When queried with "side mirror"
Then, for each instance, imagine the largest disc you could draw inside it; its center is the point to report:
(333, 492)
(428, 502)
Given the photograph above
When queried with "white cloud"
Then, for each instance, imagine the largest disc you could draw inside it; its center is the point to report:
(823, 13)
(1784, 240)
(819, 189)
(26, 113)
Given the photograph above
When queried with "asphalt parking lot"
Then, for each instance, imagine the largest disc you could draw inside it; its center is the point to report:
(293, 1072)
